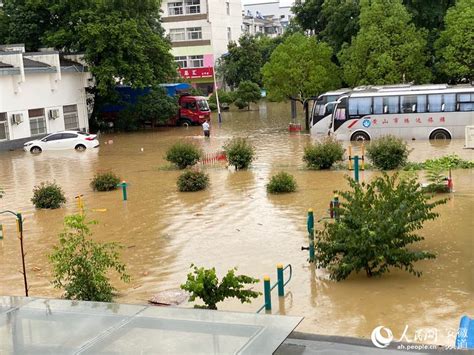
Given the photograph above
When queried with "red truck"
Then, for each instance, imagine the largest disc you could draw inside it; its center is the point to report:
(193, 110)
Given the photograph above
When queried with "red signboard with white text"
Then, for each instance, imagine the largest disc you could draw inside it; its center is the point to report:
(196, 73)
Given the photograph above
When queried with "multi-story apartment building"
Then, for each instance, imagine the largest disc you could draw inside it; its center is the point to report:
(282, 13)
(200, 31)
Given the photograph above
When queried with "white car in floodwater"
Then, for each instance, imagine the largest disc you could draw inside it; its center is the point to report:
(79, 141)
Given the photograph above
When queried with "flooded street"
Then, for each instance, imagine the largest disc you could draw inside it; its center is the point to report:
(235, 223)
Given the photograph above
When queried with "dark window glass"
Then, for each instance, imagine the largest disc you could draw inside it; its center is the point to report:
(53, 137)
(69, 135)
(408, 104)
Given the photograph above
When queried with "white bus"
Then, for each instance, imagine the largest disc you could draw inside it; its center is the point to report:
(416, 112)
(321, 113)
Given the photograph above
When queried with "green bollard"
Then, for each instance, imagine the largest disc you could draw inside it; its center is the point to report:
(124, 190)
(336, 206)
(311, 234)
(281, 283)
(356, 168)
(267, 293)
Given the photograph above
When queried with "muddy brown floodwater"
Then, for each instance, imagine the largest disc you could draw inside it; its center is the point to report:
(235, 223)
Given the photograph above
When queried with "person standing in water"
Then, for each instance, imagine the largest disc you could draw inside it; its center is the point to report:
(206, 128)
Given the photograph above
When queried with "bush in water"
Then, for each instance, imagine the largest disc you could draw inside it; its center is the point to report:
(48, 195)
(183, 154)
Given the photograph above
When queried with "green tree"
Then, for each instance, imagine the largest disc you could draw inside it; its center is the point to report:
(455, 46)
(377, 223)
(80, 265)
(203, 283)
(342, 22)
(24, 21)
(388, 48)
(122, 41)
(248, 92)
(299, 69)
(308, 15)
(156, 106)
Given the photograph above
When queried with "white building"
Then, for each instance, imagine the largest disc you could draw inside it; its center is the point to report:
(40, 93)
(261, 24)
(200, 32)
(270, 8)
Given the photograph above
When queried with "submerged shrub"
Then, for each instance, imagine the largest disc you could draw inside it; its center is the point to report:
(323, 155)
(183, 154)
(281, 183)
(105, 181)
(48, 195)
(239, 152)
(388, 153)
(191, 180)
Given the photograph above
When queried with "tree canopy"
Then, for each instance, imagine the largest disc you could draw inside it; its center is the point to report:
(300, 68)
(455, 46)
(121, 39)
(388, 48)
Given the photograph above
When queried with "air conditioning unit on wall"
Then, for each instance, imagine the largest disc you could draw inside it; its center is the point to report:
(17, 118)
(53, 114)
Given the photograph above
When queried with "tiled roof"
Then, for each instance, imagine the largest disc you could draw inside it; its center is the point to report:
(4, 65)
(29, 63)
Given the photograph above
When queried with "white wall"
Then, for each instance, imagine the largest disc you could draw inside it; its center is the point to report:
(220, 21)
(39, 91)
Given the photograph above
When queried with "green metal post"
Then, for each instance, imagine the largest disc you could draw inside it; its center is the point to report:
(311, 235)
(267, 293)
(20, 229)
(356, 168)
(124, 190)
(281, 283)
(336, 206)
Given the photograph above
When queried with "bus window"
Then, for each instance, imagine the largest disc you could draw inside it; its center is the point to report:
(434, 103)
(466, 102)
(408, 104)
(449, 102)
(378, 105)
(390, 104)
(421, 103)
(360, 106)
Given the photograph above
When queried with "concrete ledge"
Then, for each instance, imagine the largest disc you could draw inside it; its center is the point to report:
(304, 343)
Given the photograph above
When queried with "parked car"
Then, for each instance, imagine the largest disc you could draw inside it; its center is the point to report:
(79, 141)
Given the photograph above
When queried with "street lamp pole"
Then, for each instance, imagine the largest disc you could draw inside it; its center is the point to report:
(217, 94)
(20, 230)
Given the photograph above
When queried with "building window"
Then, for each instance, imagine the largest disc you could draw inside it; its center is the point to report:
(3, 126)
(71, 118)
(229, 34)
(194, 33)
(196, 61)
(177, 34)
(181, 61)
(227, 7)
(175, 8)
(193, 6)
(37, 121)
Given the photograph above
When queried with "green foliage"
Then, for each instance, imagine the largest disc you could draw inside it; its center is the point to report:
(300, 68)
(451, 161)
(239, 152)
(80, 265)
(183, 154)
(120, 40)
(455, 47)
(48, 195)
(388, 152)
(127, 120)
(203, 283)
(225, 97)
(247, 92)
(105, 181)
(191, 181)
(388, 48)
(156, 106)
(243, 61)
(281, 183)
(322, 155)
(378, 221)
(436, 178)
(240, 104)
(212, 106)
(308, 15)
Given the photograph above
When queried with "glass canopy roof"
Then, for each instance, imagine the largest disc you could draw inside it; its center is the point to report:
(42, 326)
